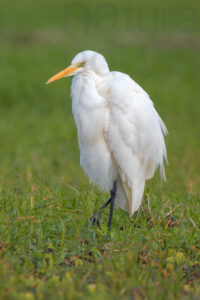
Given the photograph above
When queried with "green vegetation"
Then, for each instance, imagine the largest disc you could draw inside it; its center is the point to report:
(46, 250)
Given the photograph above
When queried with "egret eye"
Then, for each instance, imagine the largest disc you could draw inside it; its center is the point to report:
(81, 64)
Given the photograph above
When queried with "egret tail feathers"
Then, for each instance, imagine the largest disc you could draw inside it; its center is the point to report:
(121, 200)
(137, 195)
(129, 198)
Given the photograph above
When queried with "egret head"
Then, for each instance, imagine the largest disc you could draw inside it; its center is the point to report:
(86, 61)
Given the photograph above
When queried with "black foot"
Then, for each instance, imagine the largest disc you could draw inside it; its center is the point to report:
(95, 220)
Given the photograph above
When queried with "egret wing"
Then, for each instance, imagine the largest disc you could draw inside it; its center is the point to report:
(135, 138)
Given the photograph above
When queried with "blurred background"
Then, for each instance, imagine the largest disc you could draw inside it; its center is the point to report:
(156, 43)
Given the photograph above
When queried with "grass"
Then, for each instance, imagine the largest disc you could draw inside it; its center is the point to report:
(46, 250)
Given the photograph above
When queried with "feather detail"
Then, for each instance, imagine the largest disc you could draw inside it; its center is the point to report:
(135, 138)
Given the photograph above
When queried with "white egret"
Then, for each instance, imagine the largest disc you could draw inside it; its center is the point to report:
(120, 133)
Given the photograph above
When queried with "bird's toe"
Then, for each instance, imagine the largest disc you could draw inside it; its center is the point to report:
(95, 220)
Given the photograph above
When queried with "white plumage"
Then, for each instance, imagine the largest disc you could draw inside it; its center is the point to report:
(120, 133)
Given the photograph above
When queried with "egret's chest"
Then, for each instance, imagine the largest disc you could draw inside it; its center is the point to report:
(91, 115)
(89, 109)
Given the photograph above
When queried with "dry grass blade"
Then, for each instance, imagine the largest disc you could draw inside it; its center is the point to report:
(172, 210)
(164, 206)
(193, 223)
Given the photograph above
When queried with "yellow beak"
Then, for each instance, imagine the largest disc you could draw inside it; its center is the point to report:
(64, 73)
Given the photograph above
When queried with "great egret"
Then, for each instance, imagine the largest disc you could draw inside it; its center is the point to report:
(120, 133)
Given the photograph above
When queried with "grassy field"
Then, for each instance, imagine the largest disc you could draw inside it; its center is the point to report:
(46, 250)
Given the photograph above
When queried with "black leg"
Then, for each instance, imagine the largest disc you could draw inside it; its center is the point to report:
(95, 218)
(113, 194)
(105, 204)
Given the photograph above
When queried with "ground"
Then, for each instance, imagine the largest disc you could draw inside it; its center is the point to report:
(46, 249)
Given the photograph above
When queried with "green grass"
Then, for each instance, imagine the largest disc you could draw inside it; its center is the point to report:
(46, 250)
